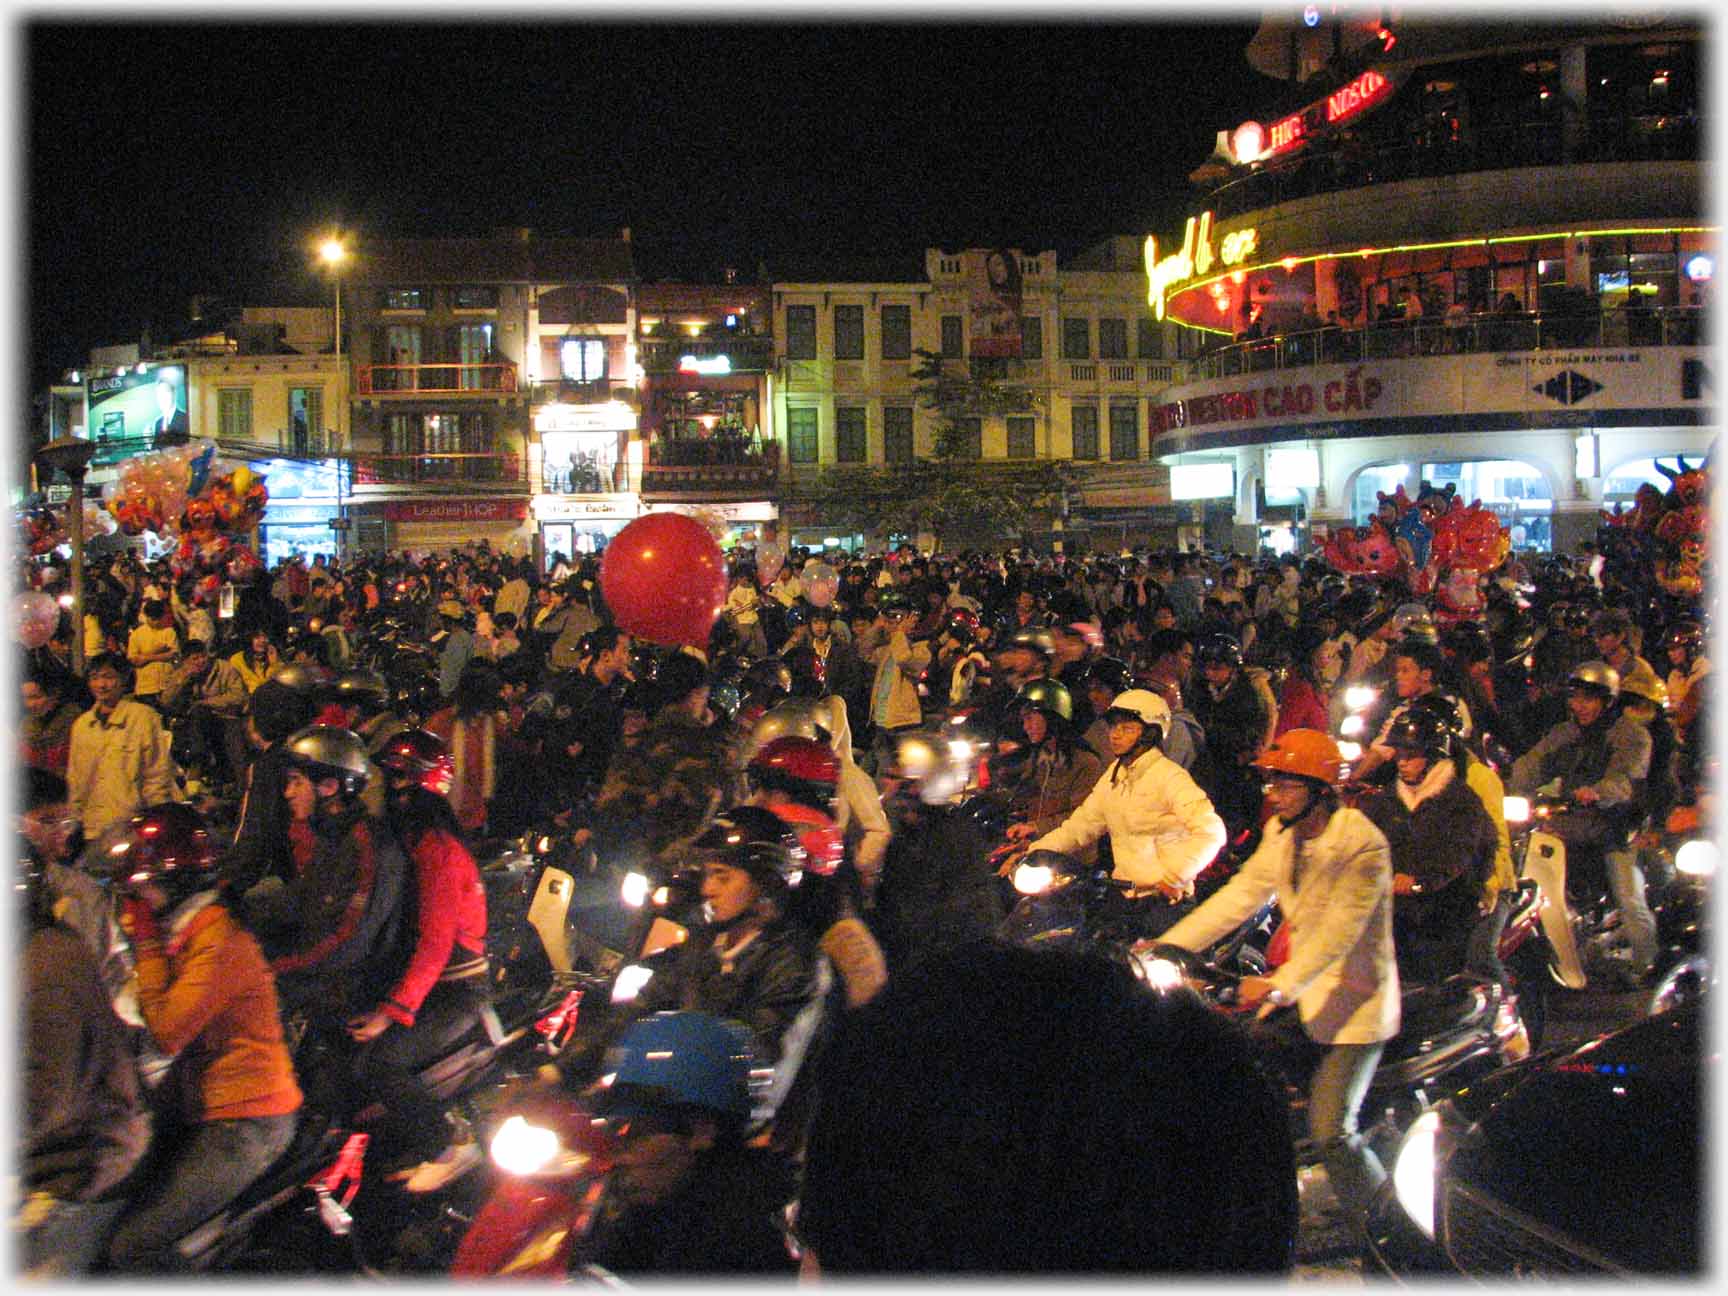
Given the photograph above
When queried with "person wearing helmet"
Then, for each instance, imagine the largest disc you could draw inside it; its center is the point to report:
(959, 662)
(1331, 870)
(1050, 772)
(1163, 830)
(334, 927)
(442, 991)
(746, 962)
(1418, 668)
(1617, 639)
(898, 662)
(280, 706)
(842, 674)
(208, 1001)
(1235, 708)
(686, 1194)
(1684, 656)
(1443, 847)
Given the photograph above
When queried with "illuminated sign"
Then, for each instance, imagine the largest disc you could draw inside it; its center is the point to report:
(1366, 91)
(1195, 257)
(1202, 481)
(716, 364)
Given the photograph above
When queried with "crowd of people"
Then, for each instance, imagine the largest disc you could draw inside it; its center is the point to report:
(237, 821)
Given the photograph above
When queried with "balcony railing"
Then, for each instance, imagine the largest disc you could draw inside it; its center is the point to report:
(1475, 334)
(700, 464)
(752, 353)
(416, 379)
(581, 393)
(485, 469)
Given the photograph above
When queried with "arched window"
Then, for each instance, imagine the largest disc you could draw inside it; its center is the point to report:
(1516, 491)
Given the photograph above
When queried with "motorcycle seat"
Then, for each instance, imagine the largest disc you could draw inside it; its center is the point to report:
(1435, 1011)
(316, 1140)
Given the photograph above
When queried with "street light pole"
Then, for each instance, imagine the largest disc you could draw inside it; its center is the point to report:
(334, 253)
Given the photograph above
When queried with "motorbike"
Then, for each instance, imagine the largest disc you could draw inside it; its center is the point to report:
(1684, 969)
(1579, 920)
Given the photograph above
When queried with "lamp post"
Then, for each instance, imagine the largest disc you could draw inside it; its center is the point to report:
(71, 456)
(333, 253)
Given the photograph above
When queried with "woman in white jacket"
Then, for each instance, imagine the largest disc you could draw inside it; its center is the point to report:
(1332, 872)
(1163, 829)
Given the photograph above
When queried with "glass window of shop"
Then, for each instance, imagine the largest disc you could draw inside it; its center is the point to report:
(1112, 339)
(897, 434)
(1621, 485)
(1076, 339)
(1022, 436)
(896, 332)
(1514, 491)
(1031, 337)
(801, 442)
(953, 337)
(850, 440)
(416, 299)
(234, 413)
(800, 332)
(581, 463)
(1370, 484)
(474, 348)
(848, 332)
(1083, 428)
(1124, 430)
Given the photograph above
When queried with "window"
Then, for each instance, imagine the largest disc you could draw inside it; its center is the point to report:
(1076, 339)
(305, 418)
(801, 423)
(969, 438)
(801, 333)
(234, 413)
(953, 337)
(474, 348)
(1124, 430)
(897, 434)
(1031, 337)
(1112, 339)
(1083, 422)
(896, 332)
(1022, 437)
(475, 297)
(849, 436)
(405, 298)
(1149, 339)
(582, 359)
(848, 332)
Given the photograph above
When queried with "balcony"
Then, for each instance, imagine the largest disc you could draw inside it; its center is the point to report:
(565, 392)
(744, 353)
(1681, 326)
(717, 464)
(434, 379)
(456, 472)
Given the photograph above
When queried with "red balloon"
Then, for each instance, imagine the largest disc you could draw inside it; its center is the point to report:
(664, 578)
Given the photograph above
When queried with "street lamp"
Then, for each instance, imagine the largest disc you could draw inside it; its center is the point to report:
(71, 456)
(333, 253)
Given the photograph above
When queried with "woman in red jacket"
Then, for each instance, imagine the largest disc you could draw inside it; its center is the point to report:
(1303, 702)
(441, 993)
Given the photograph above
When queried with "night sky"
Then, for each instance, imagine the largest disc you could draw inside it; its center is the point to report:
(173, 158)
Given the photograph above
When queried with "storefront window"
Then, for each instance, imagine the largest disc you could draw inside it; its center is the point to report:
(1370, 483)
(1621, 485)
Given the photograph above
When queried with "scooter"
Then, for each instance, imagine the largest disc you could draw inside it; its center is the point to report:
(1684, 967)
(1572, 911)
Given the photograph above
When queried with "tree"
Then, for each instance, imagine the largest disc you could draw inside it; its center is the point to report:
(951, 490)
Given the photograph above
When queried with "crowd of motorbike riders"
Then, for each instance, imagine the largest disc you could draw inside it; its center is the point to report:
(236, 823)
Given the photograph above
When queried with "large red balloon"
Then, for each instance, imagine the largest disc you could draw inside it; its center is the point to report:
(664, 578)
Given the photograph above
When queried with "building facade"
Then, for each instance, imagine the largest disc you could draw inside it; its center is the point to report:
(1464, 253)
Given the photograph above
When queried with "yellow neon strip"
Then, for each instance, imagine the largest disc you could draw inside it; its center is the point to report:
(1284, 262)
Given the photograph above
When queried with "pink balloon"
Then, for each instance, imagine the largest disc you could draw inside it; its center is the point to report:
(821, 583)
(36, 616)
(770, 558)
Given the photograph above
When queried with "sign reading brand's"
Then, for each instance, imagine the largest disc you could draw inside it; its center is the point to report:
(554, 508)
(1354, 392)
(1195, 257)
(1366, 91)
(467, 510)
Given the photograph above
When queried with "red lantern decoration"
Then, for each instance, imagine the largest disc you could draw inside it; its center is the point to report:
(664, 578)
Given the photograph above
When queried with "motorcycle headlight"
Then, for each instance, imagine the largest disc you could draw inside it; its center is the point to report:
(1349, 751)
(1161, 974)
(1033, 879)
(519, 1148)
(629, 982)
(1515, 809)
(1352, 725)
(635, 890)
(1359, 697)
(1696, 858)
(959, 749)
(1414, 1174)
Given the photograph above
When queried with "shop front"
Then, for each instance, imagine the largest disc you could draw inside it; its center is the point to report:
(443, 524)
(305, 497)
(579, 526)
(732, 524)
(579, 446)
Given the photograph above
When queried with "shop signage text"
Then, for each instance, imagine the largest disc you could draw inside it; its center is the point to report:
(1195, 257)
(1361, 94)
(561, 508)
(1355, 392)
(504, 510)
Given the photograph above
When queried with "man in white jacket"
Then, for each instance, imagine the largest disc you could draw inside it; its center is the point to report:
(1163, 830)
(1332, 872)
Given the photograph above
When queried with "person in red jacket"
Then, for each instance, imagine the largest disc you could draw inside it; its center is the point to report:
(1304, 702)
(443, 990)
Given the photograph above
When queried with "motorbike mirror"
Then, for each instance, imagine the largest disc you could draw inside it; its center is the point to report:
(1515, 809)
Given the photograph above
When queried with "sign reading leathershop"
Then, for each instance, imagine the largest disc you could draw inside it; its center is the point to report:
(456, 510)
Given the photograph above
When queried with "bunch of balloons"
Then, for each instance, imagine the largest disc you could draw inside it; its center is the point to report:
(1668, 532)
(43, 530)
(664, 578)
(186, 489)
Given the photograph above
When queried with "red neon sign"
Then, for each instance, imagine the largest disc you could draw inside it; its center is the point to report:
(1364, 92)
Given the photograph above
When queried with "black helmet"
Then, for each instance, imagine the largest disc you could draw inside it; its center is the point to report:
(809, 671)
(1419, 729)
(1035, 638)
(305, 678)
(364, 688)
(326, 751)
(1442, 708)
(1218, 649)
(798, 614)
(1469, 642)
(421, 755)
(895, 603)
(769, 672)
(1049, 696)
(757, 841)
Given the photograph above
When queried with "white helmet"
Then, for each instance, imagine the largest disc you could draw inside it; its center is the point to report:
(1146, 706)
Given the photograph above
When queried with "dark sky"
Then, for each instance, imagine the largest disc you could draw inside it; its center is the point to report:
(174, 158)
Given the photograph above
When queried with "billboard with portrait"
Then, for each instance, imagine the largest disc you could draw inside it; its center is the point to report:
(995, 294)
(135, 409)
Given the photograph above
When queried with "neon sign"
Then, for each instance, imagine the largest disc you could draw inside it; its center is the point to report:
(719, 364)
(1364, 92)
(1195, 257)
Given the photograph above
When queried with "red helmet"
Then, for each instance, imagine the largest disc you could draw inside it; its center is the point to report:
(801, 766)
(167, 844)
(420, 753)
(961, 623)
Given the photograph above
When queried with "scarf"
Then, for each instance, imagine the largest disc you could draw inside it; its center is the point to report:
(1434, 782)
